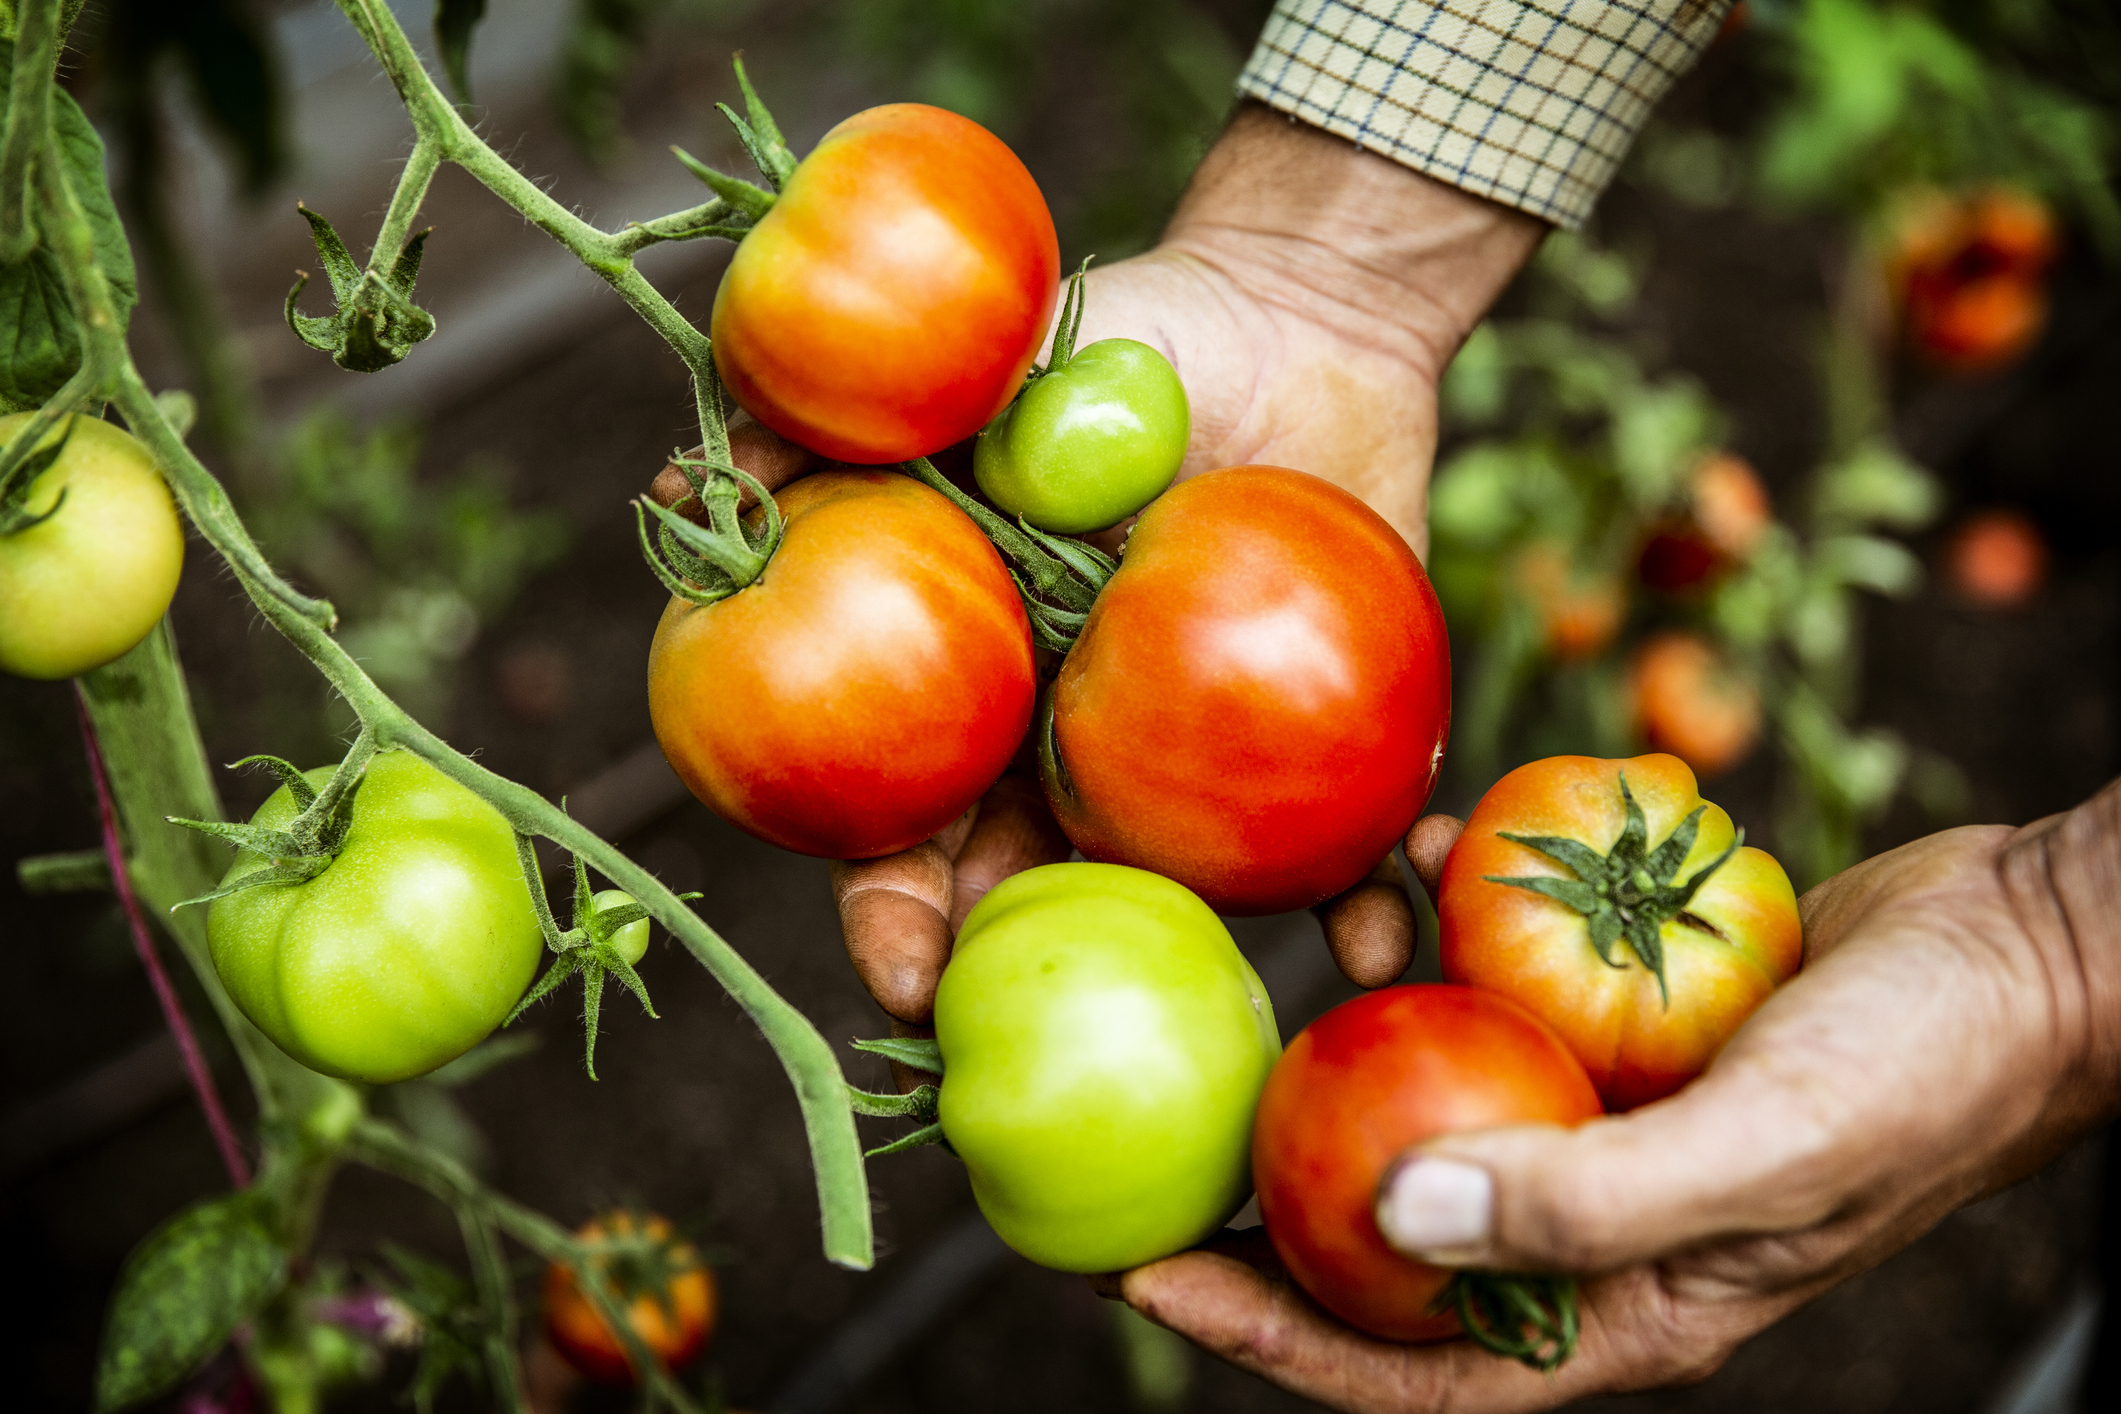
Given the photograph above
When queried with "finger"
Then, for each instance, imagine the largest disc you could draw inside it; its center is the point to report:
(1370, 928)
(1233, 1308)
(753, 447)
(1428, 844)
(1838, 1113)
(894, 915)
(1014, 831)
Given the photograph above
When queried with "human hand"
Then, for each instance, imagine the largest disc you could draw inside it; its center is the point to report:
(1957, 1024)
(1310, 296)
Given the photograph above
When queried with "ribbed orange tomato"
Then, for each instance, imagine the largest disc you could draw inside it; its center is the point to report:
(1619, 907)
(891, 301)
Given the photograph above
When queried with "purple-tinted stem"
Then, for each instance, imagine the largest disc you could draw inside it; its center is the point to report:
(202, 1080)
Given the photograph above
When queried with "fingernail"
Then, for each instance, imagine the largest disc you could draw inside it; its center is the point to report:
(1436, 1208)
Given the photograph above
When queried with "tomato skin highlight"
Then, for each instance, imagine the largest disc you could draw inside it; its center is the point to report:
(1538, 951)
(1258, 704)
(403, 954)
(865, 689)
(675, 1336)
(892, 300)
(84, 586)
(1104, 1044)
(1361, 1084)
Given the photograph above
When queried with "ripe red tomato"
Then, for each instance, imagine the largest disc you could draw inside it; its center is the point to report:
(862, 692)
(1969, 274)
(1685, 699)
(1579, 613)
(1258, 704)
(665, 1291)
(1996, 559)
(891, 301)
(1661, 894)
(1357, 1087)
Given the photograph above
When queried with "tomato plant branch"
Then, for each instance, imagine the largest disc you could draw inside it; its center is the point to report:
(489, 1270)
(28, 123)
(382, 1146)
(195, 1067)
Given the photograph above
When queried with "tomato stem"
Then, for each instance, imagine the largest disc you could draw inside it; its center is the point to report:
(1531, 1319)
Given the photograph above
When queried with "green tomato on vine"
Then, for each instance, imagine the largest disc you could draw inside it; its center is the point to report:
(90, 550)
(1090, 440)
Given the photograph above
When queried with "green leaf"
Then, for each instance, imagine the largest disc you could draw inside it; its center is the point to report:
(454, 22)
(181, 1294)
(38, 333)
(921, 1054)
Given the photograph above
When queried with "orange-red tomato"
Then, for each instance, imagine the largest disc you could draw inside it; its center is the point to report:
(1726, 514)
(665, 1291)
(1685, 699)
(1579, 614)
(864, 690)
(1722, 949)
(891, 301)
(1258, 704)
(1359, 1086)
(1996, 559)
(1969, 275)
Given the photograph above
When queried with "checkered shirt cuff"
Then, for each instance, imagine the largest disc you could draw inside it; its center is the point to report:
(1531, 103)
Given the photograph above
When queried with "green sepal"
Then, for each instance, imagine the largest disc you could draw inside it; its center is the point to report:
(750, 200)
(454, 22)
(919, 1138)
(19, 471)
(290, 871)
(290, 776)
(1093, 564)
(920, 1052)
(183, 1292)
(776, 161)
(1627, 893)
(920, 1103)
(376, 323)
(1530, 1319)
(1070, 322)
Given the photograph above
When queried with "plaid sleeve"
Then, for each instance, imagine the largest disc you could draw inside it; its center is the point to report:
(1531, 103)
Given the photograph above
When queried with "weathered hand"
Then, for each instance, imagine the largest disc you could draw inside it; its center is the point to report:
(1957, 1024)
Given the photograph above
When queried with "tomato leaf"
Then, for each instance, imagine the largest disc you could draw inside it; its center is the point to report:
(181, 1294)
(38, 332)
(454, 22)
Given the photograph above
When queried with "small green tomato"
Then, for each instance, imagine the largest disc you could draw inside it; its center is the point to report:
(1091, 442)
(631, 941)
(84, 585)
(1105, 1044)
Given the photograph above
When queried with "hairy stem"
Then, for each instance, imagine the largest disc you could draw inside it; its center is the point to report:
(28, 123)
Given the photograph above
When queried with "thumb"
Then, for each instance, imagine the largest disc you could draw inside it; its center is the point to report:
(1725, 1156)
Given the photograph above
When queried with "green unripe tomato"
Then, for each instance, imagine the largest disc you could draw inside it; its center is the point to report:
(1104, 1045)
(83, 586)
(403, 954)
(631, 941)
(1090, 443)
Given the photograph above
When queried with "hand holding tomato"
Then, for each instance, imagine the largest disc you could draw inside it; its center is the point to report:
(1957, 1024)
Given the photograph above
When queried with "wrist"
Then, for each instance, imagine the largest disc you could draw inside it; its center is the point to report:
(2064, 878)
(1373, 251)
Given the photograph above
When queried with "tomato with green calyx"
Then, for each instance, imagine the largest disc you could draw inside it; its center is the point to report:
(892, 299)
(664, 1290)
(404, 951)
(1358, 1087)
(1257, 704)
(94, 558)
(628, 940)
(865, 689)
(1624, 911)
(1104, 1044)
(1092, 439)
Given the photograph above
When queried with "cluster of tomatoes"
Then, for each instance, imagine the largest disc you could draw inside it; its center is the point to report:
(1248, 717)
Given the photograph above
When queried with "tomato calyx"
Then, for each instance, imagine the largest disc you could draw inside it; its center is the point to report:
(1626, 894)
(375, 323)
(738, 204)
(1530, 1319)
(20, 467)
(1058, 577)
(704, 564)
(588, 947)
(307, 844)
(922, 1103)
(641, 1258)
(1065, 328)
